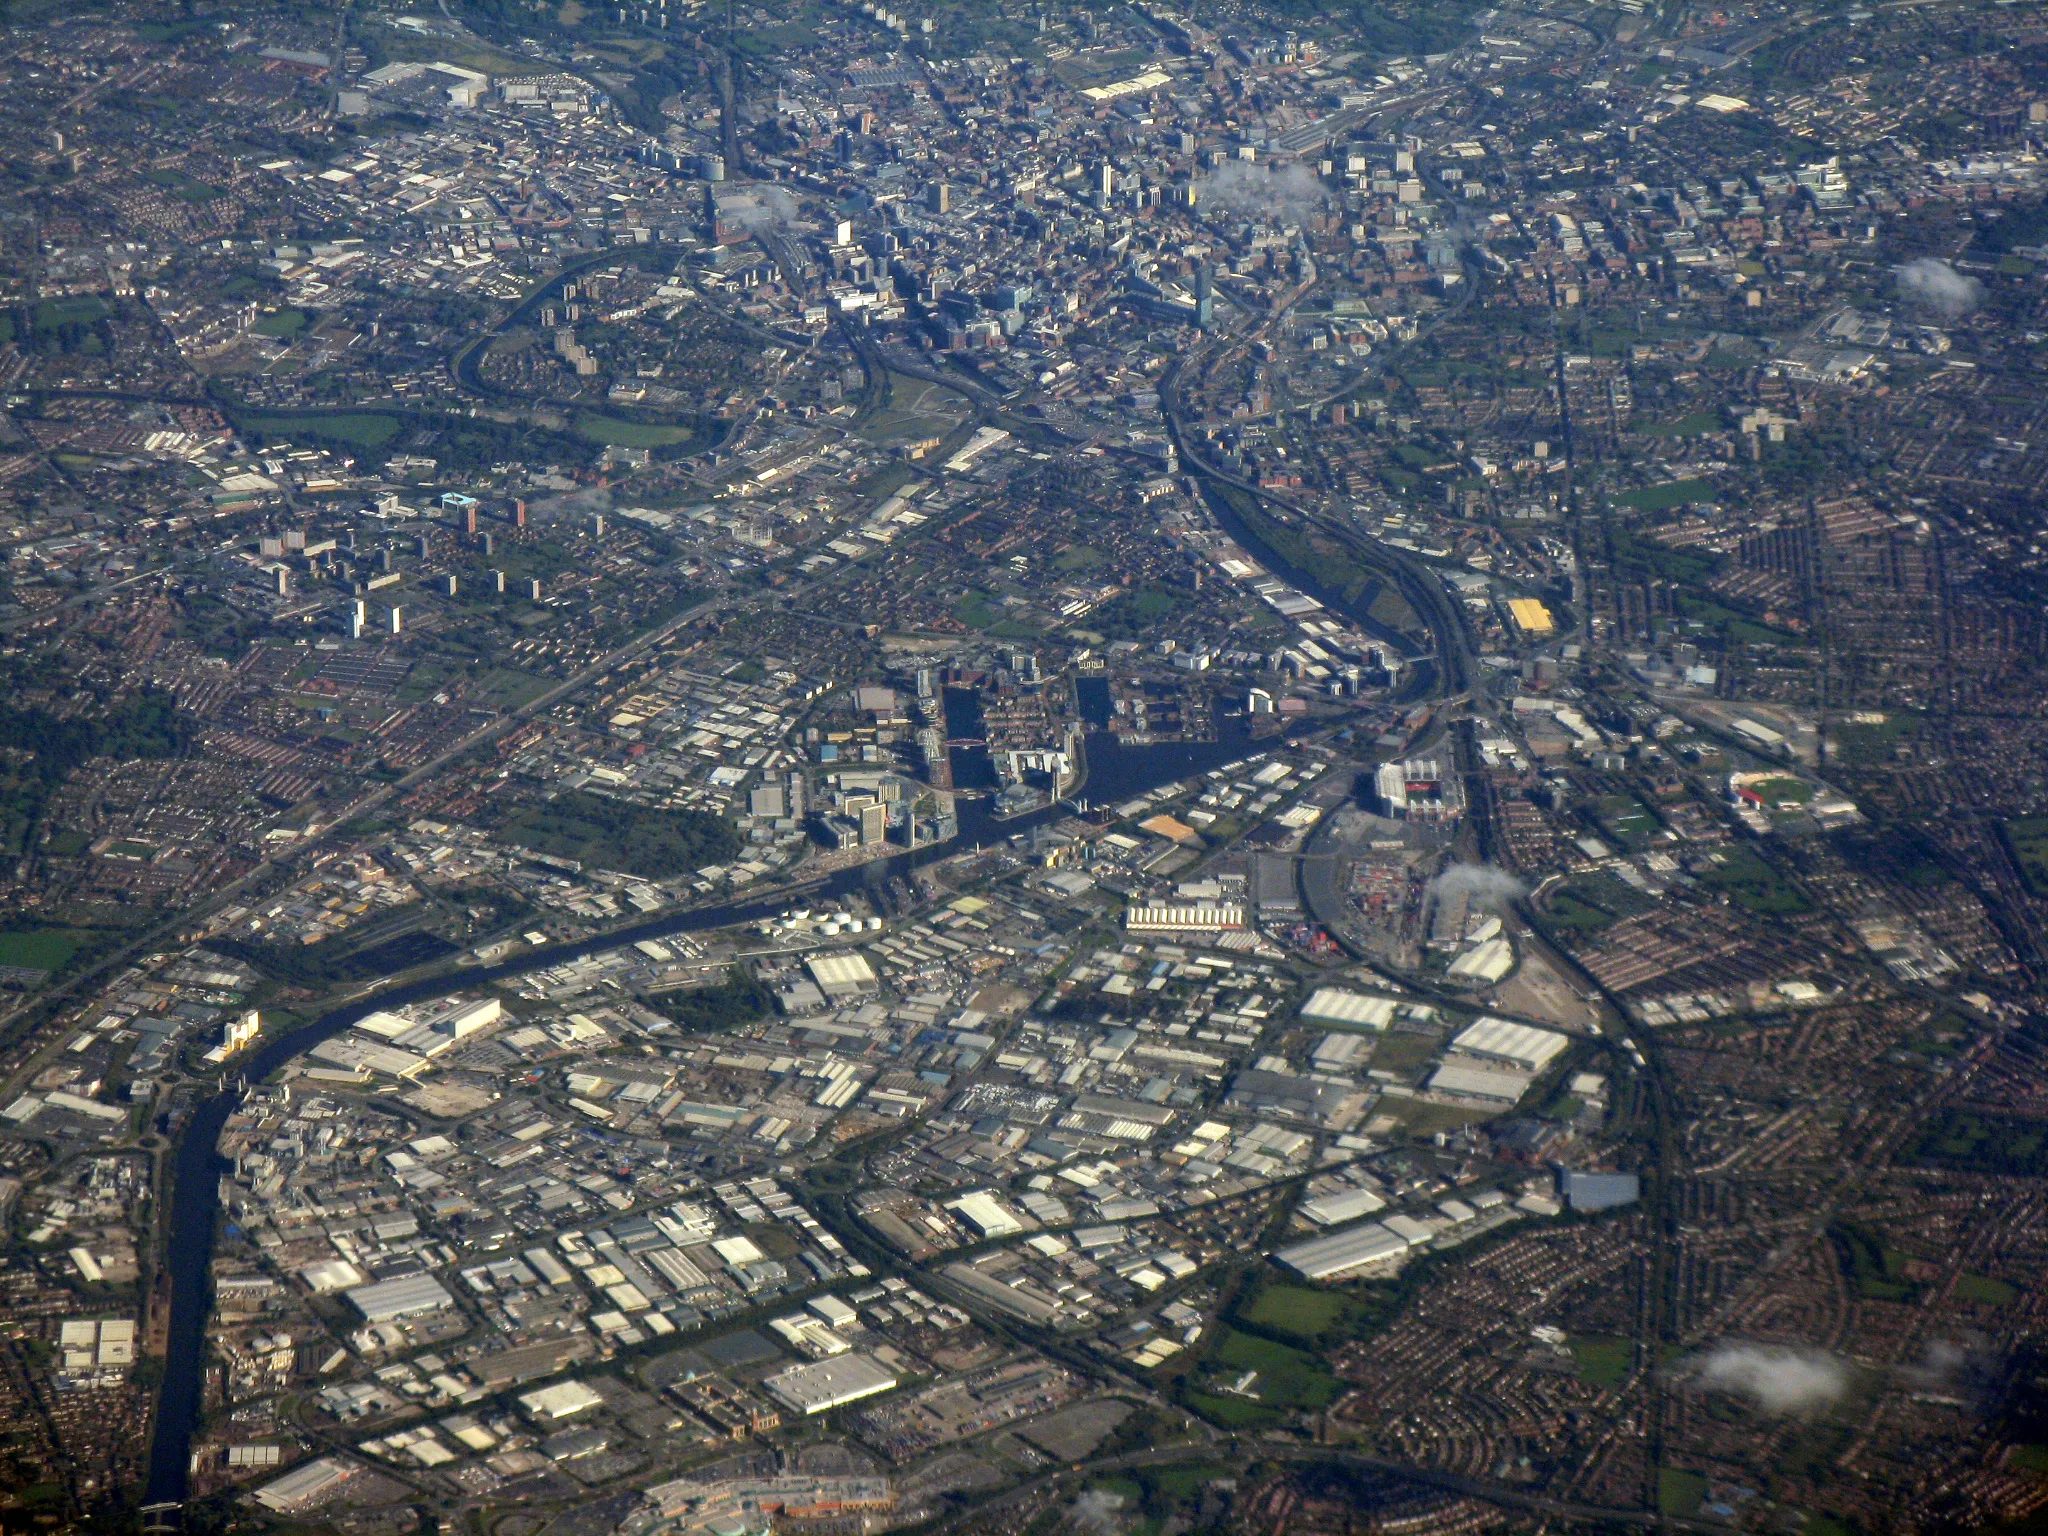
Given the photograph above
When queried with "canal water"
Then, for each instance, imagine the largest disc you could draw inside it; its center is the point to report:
(1419, 677)
(973, 769)
(1097, 703)
(1115, 773)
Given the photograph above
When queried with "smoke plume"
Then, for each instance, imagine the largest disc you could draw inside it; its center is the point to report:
(1934, 286)
(1939, 1365)
(1776, 1378)
(1481, 884)
(770, 208)
(594, 498)
(1095, 1512)
(1962, 1369)
(1280, 191)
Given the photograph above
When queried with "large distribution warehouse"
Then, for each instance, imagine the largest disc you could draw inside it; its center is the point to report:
(388, 1301)
(1520, 1047)
(1343, 1253)
(826, 1384)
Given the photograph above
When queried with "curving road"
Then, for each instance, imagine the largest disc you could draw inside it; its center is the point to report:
(1416, 582)
(1049, 1483)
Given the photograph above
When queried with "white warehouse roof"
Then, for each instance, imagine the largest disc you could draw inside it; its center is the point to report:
(1335, 1006)
(1515, 1045)
(1339, 1052)
(1331, 1258)
(988, 1215)
(409, 1296)
(331, 1275)
(302, 1485)
(1487, 962)
(1201, 918)
(844, 974)
(1346, 1205)
(1479, 1080)
(828, 1384)
(563, 1400)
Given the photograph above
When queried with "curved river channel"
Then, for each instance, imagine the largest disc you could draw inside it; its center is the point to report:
(1115, 772)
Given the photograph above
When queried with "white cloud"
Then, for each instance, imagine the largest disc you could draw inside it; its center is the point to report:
(1777, 1378)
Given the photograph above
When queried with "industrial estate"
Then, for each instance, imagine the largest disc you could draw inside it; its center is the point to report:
(1023, 767)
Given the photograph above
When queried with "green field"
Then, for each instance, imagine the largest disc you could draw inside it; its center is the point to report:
(285, 322)
(1184, 1482)
(614, 432)
(1753, 885)
(978, 610)
(1895, 852)
(612, 834)
(1137, 612)
(1339, 567)
(1979, 1144)
(717, 1009)
(1094, 69)
(179, 185)
(170, 31)
(1984, 1289)
(917, 409)
(1679, 1494)
(886, 481)
(1782, 791)
(2027, 838)
(1626, 820)
(1603, 1362)
(1569, 910)
(975, 611)
(1231, 1412)
(1288, 1378)
(1153, 602)
(1688, 426)
(470, 53)
(361, 430)
(1587, 902)
(1685, 566)
(38, 949)
(1866, 744)
(1879, 1272)
(506, 689)
(1399, 1052)
(1662, 498)
(52, 314)
(1295, 1311)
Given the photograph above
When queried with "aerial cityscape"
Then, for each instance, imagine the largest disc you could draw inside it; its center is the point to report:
(1027, 766)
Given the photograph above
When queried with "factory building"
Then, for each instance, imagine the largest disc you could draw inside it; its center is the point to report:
(1343, 1253)
(1332, 1005)
(390, 1301)
(1519, 1047)
(827, 1384)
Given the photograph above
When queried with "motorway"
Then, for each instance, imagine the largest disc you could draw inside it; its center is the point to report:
(372, 798)
(1049, 1484)
(193, 1199)
(1416, 582)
